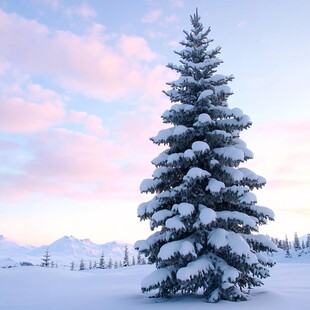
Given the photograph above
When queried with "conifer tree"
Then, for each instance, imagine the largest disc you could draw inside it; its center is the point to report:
(139, 259)
(296, 242)
(287, 247)
(303, 244)
(72, 266)
(203, 209)
(110, 264)
(102, 262)
(126, 257)
(46, 259)
(82, 265)
(308, 241)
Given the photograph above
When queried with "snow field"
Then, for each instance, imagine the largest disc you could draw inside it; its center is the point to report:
(34, 288)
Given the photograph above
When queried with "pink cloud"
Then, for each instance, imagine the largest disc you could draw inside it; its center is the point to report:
(152, 16)
(74, 165)
(92, 123)
(281, 153)
(176, 3)
(75, 156)
(89, 64)
(20, 116)
(84, 11)
(136, 47)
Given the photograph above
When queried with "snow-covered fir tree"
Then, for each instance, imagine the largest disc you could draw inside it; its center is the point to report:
(296, 242)
(308, 241)
(287, 247)
(139, 259)
(126, 257)
(204, 212)
(46, 259)
(82, 265)
(102, 261)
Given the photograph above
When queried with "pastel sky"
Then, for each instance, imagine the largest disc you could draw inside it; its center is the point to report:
(80, 95)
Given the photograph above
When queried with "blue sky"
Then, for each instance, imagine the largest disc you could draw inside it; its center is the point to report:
(80, 95)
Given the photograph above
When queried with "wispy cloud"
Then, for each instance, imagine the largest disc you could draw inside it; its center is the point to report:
(152, 16)
(83, 11)
(68, 152)
(82, 63)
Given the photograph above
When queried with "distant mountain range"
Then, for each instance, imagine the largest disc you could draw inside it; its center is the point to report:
(68, 249)
(64, 251)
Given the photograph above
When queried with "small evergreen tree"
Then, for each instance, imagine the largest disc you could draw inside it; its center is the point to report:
(126, 257)
(110, 264)
(90, 265)
(296, 242)
(115, 265)
(95, 266)
(72, 266)
(287, 247)
(82, 265)
(133, 262)
(204, 212)
(102, 261)
(143, 261)
(308, 241)
(46, 259)
(139, 259)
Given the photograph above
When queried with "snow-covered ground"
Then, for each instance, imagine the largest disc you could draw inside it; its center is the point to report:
(60, 288)
(31, 288)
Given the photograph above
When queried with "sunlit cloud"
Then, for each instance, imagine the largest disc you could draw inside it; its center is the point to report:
(152, 16)
(82, 63)
(83, 11)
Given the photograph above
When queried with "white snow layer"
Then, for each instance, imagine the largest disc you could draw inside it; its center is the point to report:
(205, 94)
(162, 157)
(206, 215)
(177, 107)
(230, 152)
(161, 215)
(215, 186)
(219, 237)
(235, 174)
(222, 88)
(175, 223)
(249, 174)
(174, 157)
(184, 208)
(196, 173)
(36, 288)
(148, 184)
(200, 266)
(180, 130)
(189, 154)
(200, 146)
(179, 247)
(156, 277)
(235, 215)
(204, 118)
(163, 135)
